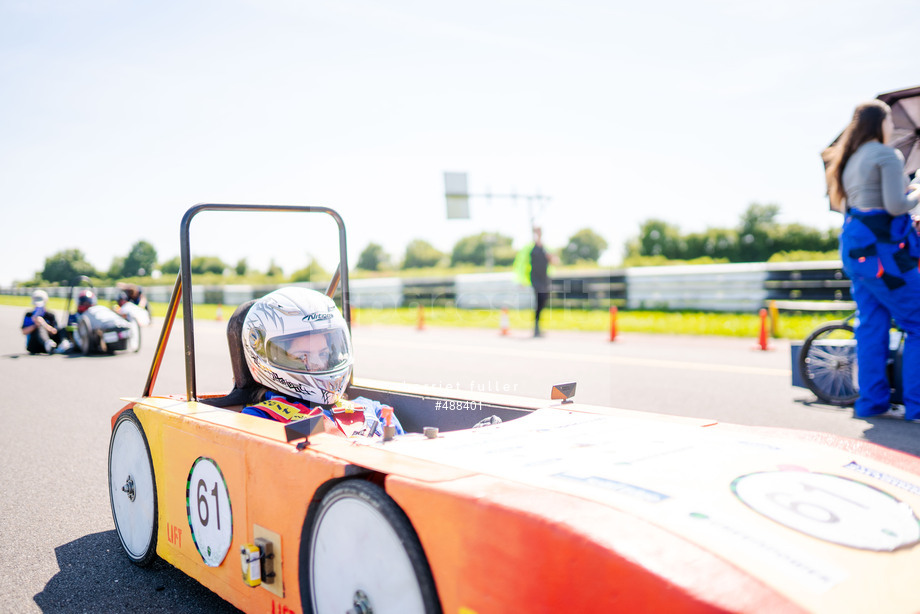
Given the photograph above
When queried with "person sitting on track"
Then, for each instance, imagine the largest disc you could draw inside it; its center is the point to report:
(40, 326)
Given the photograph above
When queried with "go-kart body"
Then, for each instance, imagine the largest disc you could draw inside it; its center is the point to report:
(99, 329)
(552, 506)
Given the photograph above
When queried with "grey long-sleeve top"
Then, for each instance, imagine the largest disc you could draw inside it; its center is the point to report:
(874, 179)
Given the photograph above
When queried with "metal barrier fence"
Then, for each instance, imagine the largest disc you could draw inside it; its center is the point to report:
(746, 287)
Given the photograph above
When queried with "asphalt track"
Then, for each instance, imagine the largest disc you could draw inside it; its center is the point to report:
(59, 548)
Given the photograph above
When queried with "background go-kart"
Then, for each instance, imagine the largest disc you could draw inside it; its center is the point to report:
(59, 542)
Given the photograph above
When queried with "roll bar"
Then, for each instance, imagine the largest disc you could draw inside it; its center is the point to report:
(183, 287)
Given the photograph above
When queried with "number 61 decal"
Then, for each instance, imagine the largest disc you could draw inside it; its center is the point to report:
(207, 503)
(832, 508)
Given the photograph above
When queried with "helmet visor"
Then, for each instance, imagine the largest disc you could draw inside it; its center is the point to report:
(310, 352)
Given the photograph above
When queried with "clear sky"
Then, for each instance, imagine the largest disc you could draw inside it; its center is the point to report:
(117, 115)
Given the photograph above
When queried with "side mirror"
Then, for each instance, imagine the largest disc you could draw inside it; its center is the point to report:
(564, 391)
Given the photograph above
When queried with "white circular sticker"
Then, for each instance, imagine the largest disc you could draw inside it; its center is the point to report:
(832, 508)
(209, 515)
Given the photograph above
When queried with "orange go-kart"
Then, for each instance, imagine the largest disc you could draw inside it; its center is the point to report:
(550, 506)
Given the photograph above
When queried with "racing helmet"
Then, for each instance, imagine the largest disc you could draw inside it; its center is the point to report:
(86, 300)
(297, 343)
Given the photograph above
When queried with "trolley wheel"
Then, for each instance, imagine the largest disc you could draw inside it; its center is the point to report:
(828, 364)
(132, 489)
(364, 556)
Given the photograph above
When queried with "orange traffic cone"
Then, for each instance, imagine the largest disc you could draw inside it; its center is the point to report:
(421, 318)
(613, 323)
(505, 322)
(219, 314)
(762, 342)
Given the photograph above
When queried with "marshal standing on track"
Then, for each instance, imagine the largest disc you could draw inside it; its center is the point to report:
(539, 277)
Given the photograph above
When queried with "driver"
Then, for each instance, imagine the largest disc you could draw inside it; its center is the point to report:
(85, 300)
(297, 344)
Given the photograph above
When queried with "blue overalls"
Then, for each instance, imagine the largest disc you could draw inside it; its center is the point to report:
(880, 256)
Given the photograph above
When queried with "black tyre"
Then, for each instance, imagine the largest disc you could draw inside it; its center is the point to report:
(132, 490)
(85, 336)
(828, 364)
(380, 568)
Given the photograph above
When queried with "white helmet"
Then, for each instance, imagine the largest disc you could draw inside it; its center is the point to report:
(296, 342)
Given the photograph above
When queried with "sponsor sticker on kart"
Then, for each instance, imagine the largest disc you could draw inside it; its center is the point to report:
(210, 516)
(830, 507)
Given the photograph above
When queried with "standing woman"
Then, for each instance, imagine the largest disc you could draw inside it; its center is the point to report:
(879, 247)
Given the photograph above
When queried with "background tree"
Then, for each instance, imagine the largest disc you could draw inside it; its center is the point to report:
(716, 243)
(312, 272)
(273, 269)
(207, 264)
(241, 267)
(372, 258)
(755, 242)
(140, 260)
(756, 238)
(479, 249)
(116, 269)
(421, 254)
(656, 238)
(171, 266)
(585, 245)
(503, 255)
(65, 265)
(796, 237)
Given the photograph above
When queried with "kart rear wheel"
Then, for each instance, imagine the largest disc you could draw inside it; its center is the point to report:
(132, 489)
(84, 336)
(364, 556)
(134, 336)
(828, 364)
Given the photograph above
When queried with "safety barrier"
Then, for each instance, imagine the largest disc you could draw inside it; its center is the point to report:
(806, 286)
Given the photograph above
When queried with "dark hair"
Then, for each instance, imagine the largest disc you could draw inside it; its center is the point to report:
(865, 126)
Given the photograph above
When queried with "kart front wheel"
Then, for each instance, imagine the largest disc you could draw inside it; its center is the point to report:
(132, 489)
(828, 364)
(364, 555)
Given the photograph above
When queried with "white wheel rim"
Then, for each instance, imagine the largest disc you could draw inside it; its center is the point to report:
(130, 473)
(356, 549)
(134, 338)
(80, 337)
(86, 334)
